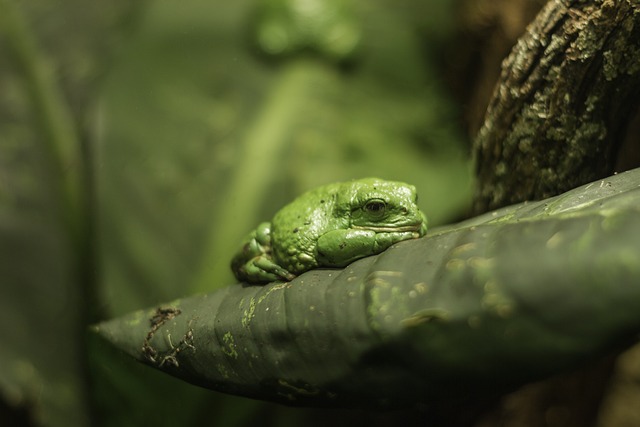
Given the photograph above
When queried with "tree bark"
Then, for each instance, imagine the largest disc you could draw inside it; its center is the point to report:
(561, 107)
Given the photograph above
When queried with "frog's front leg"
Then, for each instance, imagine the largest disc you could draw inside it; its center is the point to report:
(339, 248)
(254, 262)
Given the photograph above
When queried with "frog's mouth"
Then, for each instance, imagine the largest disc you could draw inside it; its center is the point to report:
(390, 229)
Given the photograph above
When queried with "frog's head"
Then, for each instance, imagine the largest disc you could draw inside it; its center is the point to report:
(381, 206)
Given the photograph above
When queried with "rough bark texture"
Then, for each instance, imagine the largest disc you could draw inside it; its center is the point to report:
(565, 96)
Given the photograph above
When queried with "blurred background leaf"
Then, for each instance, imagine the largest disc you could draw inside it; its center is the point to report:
(203, 139)
(52, 56)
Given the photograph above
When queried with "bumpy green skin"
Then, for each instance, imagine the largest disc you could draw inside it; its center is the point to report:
(330, 226)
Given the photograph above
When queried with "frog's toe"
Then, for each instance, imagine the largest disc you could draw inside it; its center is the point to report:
(271, 269)
(262, 270)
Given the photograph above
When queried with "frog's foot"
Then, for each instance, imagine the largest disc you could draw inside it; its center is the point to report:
(262, 269)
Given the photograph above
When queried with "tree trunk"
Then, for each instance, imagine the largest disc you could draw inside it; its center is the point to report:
(560, 109)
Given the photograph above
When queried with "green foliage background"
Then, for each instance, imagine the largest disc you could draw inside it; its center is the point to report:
(139, 143)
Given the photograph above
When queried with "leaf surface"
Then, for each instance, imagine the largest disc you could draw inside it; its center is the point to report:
(498, 300)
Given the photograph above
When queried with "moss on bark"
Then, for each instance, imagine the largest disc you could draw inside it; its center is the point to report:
(560, 109)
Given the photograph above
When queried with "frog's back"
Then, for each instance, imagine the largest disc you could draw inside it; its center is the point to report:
(297, 226)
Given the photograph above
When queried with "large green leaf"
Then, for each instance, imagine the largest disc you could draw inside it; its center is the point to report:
(501, 299)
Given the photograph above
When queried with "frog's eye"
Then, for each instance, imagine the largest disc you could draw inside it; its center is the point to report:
(375, 207)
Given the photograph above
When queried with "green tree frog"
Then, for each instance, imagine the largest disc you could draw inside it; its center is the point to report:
(330, 226)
